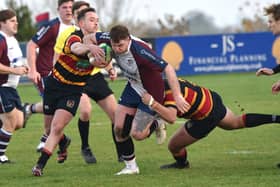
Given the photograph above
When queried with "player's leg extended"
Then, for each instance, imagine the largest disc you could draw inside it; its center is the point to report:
(232, 121)
(60, 120)
(123, 121)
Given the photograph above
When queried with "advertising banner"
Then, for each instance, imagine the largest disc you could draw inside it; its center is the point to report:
(201, 54)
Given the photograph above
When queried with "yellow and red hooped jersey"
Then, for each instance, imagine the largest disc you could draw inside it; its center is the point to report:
(72, 69)
(199, 98)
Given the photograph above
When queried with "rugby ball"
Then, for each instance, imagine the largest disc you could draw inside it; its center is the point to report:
(102, 62)
(107, 50)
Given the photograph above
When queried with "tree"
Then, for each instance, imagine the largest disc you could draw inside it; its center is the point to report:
(257, 22)
(171, 26)
(26, 28)
(200, 23)
(193, 22)
(114, 12)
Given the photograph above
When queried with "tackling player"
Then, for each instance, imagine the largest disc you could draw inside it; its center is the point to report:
(206, 112)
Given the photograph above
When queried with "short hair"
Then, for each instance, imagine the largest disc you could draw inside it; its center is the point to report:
(83, 12)
(78, 4)
(6, 14)
(119, 32)
(274, 9)
(60, 2)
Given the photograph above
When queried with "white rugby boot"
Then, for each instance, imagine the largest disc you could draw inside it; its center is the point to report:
(130, 168)
(4, 159)
(161, 131)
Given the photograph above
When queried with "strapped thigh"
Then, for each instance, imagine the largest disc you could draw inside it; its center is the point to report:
(143, 119)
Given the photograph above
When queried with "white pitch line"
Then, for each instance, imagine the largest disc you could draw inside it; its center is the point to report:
(243, 152)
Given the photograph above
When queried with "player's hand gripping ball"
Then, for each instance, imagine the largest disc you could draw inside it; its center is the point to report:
(103, 62)
(107, 50)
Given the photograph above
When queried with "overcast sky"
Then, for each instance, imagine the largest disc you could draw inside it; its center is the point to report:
(223, 12)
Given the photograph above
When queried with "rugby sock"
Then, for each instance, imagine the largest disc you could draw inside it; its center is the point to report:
(153, 127)
(127, 125)
(33, 108)
(127, 149)
(44, 138)
(84, 131)
(4, 140)
(254, 120)
(43, 159)
(181, 157)
(116, 143)
(62, 142)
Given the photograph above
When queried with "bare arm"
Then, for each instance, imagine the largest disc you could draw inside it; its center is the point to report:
(172, 79)
(55, 57)
(264, 71)
(94, 52)
(80, 48)
(31, 60)
(10, 70)
(84, 48)
(111, 71)
(269, 71)
(169, 114)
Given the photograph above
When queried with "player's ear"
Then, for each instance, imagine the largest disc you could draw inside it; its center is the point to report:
(81, 23)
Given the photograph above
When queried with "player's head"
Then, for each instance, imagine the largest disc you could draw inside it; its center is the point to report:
(120, 39)
(8, 22)
(65, 10)
(78, 6)
(273, 13)
(88, 20)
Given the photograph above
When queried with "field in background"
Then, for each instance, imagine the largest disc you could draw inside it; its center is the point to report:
(224, 158)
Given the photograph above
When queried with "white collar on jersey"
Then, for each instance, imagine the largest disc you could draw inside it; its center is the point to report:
(6, 35)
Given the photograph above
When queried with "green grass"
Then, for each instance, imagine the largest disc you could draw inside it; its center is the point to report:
(245, 157)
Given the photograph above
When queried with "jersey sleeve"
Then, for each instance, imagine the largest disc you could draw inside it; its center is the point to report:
(148, 55)
(73, 38)
(46, 33)
(61, 39)
(103, 37)
(3, 46)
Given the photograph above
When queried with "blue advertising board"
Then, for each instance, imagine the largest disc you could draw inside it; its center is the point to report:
(200, 54)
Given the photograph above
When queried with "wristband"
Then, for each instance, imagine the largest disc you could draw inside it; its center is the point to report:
(151, 101)
(91, 58)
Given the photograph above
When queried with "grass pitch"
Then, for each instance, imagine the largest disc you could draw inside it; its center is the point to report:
(246, 157)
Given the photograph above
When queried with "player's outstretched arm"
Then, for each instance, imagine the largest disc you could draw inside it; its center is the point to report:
(264, 71)
(169, 114)
(182, 105)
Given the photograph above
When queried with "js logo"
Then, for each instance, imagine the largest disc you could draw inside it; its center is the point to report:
(228, 44)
